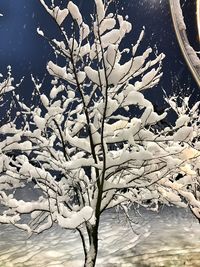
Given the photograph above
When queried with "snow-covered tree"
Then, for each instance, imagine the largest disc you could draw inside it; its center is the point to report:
(93, 142)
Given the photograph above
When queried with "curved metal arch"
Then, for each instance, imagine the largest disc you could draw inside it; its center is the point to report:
(191, 58)
(198, 18)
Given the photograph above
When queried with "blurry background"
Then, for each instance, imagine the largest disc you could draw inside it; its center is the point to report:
(23, 49)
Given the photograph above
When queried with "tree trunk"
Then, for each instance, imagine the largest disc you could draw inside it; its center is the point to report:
(91, 254)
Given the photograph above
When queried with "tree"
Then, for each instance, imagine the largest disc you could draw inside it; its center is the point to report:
(93, 142)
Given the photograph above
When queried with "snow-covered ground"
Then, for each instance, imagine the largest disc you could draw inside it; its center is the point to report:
(170, 238)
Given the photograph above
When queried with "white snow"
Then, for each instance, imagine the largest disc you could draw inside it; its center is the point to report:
(76, 219)
(100, 10)
(40, 122)
(192, 55)
(58, 14)
(135, 47)
(182, 120)
(111, 37)
(179, 15)
(85, 30)
(44, 100)
(40, 32)
(184, 134)
(75, 13)
(172, 231)
(59, 72)
(107, 24)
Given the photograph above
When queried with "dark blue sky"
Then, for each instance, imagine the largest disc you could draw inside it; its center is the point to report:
(26, 52)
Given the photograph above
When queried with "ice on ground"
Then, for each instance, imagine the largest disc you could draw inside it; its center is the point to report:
(157, 238)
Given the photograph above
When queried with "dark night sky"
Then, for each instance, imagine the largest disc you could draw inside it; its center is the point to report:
(27, 52)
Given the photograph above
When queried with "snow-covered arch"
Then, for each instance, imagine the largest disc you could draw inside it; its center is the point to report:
(190, 55)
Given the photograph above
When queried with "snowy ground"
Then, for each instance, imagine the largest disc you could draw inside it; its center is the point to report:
(170, 238)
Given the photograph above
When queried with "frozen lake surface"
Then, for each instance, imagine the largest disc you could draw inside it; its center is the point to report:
(168, 238)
